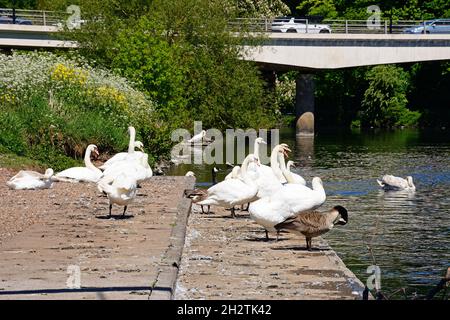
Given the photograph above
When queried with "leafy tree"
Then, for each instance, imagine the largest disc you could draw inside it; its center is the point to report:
(384, 103)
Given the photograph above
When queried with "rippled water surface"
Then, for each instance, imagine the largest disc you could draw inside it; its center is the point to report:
(408, 232)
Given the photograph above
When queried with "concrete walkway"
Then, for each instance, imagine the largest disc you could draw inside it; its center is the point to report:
(227, 258)
(133, 258)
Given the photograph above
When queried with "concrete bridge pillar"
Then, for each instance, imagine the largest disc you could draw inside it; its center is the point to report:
(304, 104)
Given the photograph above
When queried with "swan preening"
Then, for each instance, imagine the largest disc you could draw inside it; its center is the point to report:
(31, 180)
(389, 182)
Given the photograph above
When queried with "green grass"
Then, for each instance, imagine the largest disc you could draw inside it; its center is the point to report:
(13, 161)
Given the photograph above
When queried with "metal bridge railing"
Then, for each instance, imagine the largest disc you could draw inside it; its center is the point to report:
(33, 17)
(337, 26)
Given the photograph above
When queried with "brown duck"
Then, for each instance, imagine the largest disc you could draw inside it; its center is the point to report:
(314, 223)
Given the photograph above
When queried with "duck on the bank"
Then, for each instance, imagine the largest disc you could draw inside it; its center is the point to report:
(31, 180)
(390, 182)
(120, 190)
(89, 173)
(312, 224)
(231, 192)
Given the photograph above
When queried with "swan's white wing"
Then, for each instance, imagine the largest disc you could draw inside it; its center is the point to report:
(117, 157)
(298, 179)
(229, 193)
(28, 173)
(81, 174)
(300, 198)
(268, 212)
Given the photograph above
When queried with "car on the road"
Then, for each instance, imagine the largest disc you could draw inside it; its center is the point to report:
(291, 24)
(431, 26)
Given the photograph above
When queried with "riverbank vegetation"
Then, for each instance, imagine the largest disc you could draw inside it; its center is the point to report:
(160, 65)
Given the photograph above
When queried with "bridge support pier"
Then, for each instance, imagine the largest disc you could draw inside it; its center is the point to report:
(304, 104)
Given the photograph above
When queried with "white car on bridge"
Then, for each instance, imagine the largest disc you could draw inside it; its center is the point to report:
(290, 24)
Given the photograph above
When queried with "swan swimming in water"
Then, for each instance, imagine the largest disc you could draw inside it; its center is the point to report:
(89, 173)
(390, 182)
(31, 180)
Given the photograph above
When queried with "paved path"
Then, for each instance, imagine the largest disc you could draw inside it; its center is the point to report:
(133, 258)
(227, 258)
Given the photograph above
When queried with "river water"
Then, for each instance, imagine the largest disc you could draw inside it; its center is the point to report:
(406, 234)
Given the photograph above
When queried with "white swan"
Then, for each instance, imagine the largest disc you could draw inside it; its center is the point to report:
(123, 155)
(267, 180)
(28, 180)
(389, 182)
(294, 177)
(137, 169)
(289, 201)
(89, 173)
(198, 137)
(234, 174)
(121, 190)
(231, 192)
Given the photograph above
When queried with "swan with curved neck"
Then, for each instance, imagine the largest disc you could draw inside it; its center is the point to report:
(130, 155)
(229, 193)
(290, 176)
(89, 173)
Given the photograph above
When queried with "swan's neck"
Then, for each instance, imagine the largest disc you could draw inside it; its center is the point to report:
(256, 149)
(274, 163)
(87, 160)
(132, 139)
(285, 171)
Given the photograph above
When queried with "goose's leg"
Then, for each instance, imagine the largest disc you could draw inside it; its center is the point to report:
(278, 234)
(267, 235)
(124, 210)
(110, 208)
(202, 208)
(209, 207)
(233, 214)
(308, 244)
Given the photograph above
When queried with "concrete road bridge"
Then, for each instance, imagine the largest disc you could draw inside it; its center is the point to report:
(351, 43)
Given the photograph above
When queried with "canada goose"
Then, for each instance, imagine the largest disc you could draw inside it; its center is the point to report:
(27, 180)
(89, 173)
(314, 223)
(389, 182)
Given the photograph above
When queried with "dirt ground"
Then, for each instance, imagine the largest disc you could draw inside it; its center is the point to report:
(45, 232)
(227, 258)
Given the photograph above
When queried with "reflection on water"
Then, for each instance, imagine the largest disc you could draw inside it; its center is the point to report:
(407, 231)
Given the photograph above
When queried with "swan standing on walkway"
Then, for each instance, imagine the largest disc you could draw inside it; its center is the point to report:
(231, 192)
(314, 223)
(287, 202)
(120, 190)
(389, 182)
(267, 180)
(123, 155)
(89, 173)
(30, 180)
